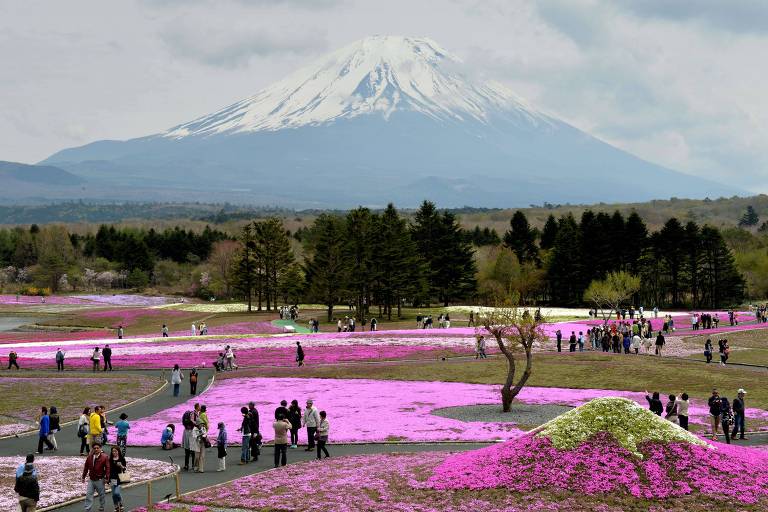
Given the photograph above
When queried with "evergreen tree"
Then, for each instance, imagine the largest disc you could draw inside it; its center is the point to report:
(692, 248)
(360, 229)
(274, 256)
(722, 283)
(326, 267)
(750, 217)
(637, 240)
(245, 265)
(522, 239)
(671, 248)
(564, 273)
(549, 233)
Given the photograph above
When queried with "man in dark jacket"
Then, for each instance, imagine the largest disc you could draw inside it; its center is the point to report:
(107, 353)
(97, 470)
(253, 421)
(738, 414)
(28, 489)
(283, 409)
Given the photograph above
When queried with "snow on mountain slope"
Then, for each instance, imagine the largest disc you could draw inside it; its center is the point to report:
(380, 74)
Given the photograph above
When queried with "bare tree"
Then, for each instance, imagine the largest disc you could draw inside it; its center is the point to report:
(608, 294)
(516, 331)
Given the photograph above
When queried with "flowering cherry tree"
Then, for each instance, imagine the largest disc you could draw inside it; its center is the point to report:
(516, 331)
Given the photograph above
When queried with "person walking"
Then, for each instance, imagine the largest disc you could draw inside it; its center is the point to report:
(726, 417)
(59, 360)
(715, 411)
(738, 414)
(83, 429)
(245, 431)
(97, 470)
(708, 350)
(294, 417)
(95, 429)
(193, 382)
(117, 467)
(28, 488)
(45, 429)
(654, 403)
(682, 410)
(281, 427)
(176, 378)
(221, 446)
(322, 435)
(725, 351)
(96, 359)
(120, 332)
(107, 353)
(165, 331)
(229, 355)
(13, 359)
(122, 433)
(55, 425)
(310, 420)
(299, 354)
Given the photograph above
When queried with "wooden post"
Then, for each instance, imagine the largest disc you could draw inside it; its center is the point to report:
(178, 485)
(149, 496)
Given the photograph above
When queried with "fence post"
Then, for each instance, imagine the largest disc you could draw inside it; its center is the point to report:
(178, 485)
(149, 496)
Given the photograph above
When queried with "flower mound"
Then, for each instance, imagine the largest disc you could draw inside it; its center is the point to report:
(598, 449)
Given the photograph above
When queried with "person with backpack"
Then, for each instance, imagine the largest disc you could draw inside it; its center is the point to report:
(221, 446)
(45, 429)
(671, 409)
(122, 432)
(107, 353)
(28, 489)
(189, 421)
(294, 417)
(97, 470)
(176, 378)
(55, 426)
(193, 382)
(13, 360)
(59, 360)
(83, 429)
(299, 354)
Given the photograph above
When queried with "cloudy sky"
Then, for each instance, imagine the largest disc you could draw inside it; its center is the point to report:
(681, 83)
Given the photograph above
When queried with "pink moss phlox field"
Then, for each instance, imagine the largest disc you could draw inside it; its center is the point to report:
(60, 478)
(600, 465)
(113, 300)
(128, 316)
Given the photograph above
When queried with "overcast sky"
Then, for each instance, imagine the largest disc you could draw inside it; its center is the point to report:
(681, 83)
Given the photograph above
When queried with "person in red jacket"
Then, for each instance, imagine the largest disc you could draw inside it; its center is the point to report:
(97, 470)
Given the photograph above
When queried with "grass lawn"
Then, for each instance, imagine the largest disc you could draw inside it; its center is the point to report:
(22, 394)
(756, 340)
(587, 370)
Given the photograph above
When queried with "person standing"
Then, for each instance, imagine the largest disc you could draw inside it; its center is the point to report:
(245, 430)
(299, 354)
(671, 410)
(59, 360)
(310, 420)
(559, 336)
(581, 341)
(283, 409)
(725, 351)
(738, 414)
(96, 359)
(572, 342)
(708, 350)
(83, 429)
(45, 429)
(193, 382)
(95, 430)
(471, 322)
(294, 417)
(194, 329)
(120, 332)
(660, 344)
(97, 470)
(28, 488)
(221, 446)
(682, 410)
(55, 424)
(199, 435)
(107, 353)
(189, 421)
(281, 427)
(322, 435)
(176, 378)
(117, 466)
(165, 331)
(715, 411)
(229, 355)
(726, 417)
(13, 359)
(203, 418)
(122, 433)
(255, 442)
(654, 403)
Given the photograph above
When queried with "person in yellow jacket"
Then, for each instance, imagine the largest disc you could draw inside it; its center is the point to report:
(95, 429)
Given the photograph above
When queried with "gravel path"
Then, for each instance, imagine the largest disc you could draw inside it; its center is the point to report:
(521, 414)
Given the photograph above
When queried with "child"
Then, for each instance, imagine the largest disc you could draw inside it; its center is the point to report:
(221, 446)
(122, 433)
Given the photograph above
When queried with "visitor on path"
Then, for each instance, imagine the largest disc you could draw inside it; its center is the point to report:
(738, 414)
(97, 470)
(55, 425)
(165, 331)
(45, 429)
(189, 421)
(104, 425)
(471, 322)
(726, 418)
(294, 417)
(245, 430)
(193, 382)
(581, 341)
(682, 410)
(322, 435)
(117, 467)
(708, 350)
(338, 325)
(671, 409)
(559, 336)
(13, 359)
(83, 429)
(28, 489)
(654, 403)
(203, 419)
(715, 411)
(310, 420)
(255, 442)
(199, 436)
(30, 459)
(120, 332)
(374, 324)
(480, 348)
(220, 362)
(281, 427)
(572, 342)
(122, 433)
(725, 351)
(221, 446)
(660, 341)
(636, 343)
(96, 359)
(59, 360)
(166, 440)
(95, 430)
(194, 329)
(283, 409)
(229, 355)
(176, 378)
(299, 354)
(107, 353)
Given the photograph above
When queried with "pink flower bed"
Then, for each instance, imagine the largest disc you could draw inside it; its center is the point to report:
(60, 481)
(127, 317)
(114, 300)
(375, 411)
(530, 464)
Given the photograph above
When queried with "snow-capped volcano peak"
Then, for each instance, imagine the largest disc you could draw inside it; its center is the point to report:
(375, 75)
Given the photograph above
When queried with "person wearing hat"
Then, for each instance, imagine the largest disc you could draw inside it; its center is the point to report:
(311, 420)
(738, 414)
(28, 489)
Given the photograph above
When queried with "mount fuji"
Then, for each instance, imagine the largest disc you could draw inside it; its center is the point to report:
(383, 119)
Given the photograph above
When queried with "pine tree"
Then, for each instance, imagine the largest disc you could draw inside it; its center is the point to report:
(549, 233)
(722, 283)
(274, 256)
(564, 275)
(637, 238)
(360, 229)
(671, 248)
(522, 239)
(692, 247)
(245, 265)
(750, 217)
(326, 268)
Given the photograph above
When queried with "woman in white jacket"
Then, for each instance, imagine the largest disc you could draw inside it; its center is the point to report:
(322, 435)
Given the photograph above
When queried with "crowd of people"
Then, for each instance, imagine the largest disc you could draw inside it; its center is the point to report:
(617, 338)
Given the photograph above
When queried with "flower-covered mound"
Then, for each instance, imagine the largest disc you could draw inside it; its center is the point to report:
(60, 481)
